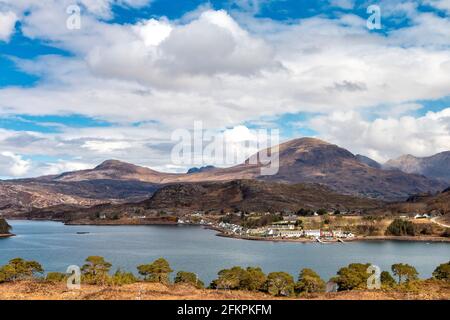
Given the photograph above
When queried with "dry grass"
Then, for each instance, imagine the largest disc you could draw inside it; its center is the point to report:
(37, 290)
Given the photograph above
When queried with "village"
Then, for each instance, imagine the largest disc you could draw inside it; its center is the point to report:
(288, 228)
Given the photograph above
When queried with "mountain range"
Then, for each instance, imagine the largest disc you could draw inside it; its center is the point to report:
(301, 161)
(435, 167)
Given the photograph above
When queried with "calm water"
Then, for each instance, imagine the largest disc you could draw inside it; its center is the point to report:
(189, 248)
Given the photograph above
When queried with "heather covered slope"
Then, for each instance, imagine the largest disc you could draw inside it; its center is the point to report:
(251, 195)
(212, 197)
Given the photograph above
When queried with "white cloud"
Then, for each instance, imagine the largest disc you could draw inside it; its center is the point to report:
(62, 166)
(13, 164)
(7, 23)
(440, 4)
(105, 146)
(345, 4)
(386, 138)
(227, 70)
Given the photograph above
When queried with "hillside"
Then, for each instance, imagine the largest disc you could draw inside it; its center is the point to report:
(251, 195)
(305, 160)
(213, 197)
(435, 167)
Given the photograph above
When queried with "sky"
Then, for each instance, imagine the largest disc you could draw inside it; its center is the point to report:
(82, 81)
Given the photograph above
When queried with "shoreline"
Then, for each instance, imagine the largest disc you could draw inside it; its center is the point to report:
(356, 239)
(221, 233)
(6, 235)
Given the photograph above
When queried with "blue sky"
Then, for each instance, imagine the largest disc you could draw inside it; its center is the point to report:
(119, 86)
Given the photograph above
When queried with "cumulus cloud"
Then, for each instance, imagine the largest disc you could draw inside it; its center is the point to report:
(228, 70)
(7, 24)
(386, 138)
(13, 164)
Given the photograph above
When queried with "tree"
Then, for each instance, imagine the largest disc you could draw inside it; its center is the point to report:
(309, 281)
(96, 270)
(254, 279)
(189, 278)
(354, 276)
(18, 269)
(386, 279)
(442, 272)
(404, 272)
(157, 271)
(280, 284)
(230, 279)
(400, 227)
(305, 212)
(321, 212)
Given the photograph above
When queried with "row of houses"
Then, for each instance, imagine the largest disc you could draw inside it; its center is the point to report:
(288, 231)
(311, 233)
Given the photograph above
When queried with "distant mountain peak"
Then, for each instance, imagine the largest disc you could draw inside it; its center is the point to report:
(113, 164)
(436, 166)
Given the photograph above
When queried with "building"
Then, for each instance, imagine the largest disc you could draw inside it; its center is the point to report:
(283, 225)
(291, 233)
(422, 216)
(312, 233)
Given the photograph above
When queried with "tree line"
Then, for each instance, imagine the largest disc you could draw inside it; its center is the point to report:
(96, 271)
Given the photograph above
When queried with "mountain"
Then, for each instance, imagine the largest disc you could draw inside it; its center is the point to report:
(201, 169)
(115, 170)
(305, 160)
(212, 197)
(370, 162)
(309, 160)
(251, 195)
(435, 167)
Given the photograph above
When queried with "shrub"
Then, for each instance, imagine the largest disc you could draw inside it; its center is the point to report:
(157, 271)
(56, 277)
(121, 278)
(442, 272)
(400, 227)
(189, 278)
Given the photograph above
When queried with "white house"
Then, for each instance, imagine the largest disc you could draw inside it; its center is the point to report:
(291, 233)
(312, 233)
